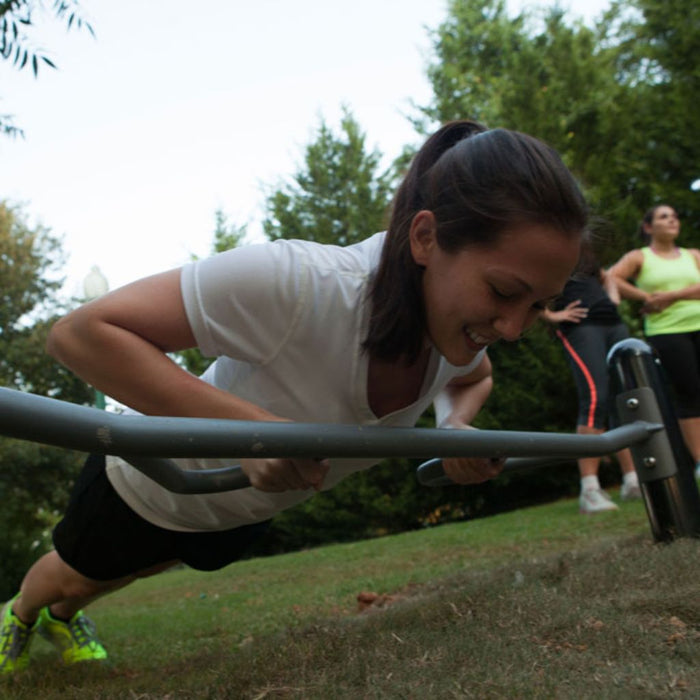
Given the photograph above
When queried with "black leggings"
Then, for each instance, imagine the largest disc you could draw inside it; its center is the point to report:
(587, 347)
(680, 358)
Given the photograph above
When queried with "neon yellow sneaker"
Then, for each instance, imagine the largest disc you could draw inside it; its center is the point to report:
(76, 639)
(15, 638)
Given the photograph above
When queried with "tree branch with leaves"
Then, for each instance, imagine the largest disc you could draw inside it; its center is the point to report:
(17, 20)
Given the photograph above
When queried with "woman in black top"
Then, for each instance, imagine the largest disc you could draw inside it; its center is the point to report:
(588, 325)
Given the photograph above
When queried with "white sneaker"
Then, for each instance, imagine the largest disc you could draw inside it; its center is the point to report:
(630, 492)
(595, 501)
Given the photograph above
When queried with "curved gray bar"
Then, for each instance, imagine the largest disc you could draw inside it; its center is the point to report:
(53, 422)
(147, 441)
(431, 473)
(170, 476)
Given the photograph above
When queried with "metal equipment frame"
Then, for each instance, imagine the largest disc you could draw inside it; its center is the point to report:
(645, 422)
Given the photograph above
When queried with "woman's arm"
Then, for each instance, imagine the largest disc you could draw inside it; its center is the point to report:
(460, 401)
(691, 291)
(118, 343)
(625, 269)
(610, 286)
(456, 407)
(572, 312)
(658, 301)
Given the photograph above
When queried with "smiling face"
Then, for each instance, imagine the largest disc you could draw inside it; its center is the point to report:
(483, 294)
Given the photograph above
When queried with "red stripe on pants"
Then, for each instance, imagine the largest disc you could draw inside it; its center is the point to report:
(587, 376)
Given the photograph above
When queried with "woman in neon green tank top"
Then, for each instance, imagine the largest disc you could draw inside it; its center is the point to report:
(666, 279)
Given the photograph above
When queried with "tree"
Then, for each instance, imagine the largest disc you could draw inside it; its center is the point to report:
(656, 45)
(34, 479)
(16, 20)
(544, 77)
(29, 261)
(227, 235)
(339, 196)
(616, 100)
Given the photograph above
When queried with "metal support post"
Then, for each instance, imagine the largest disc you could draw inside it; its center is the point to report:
(662, 462)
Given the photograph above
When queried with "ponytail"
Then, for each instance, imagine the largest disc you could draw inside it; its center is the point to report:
(397, 321)
(477, 183)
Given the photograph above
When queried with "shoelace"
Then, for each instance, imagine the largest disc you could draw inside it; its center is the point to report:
(83, 631)
(14, 640)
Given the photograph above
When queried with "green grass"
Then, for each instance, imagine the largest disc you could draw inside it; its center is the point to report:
(540, 602)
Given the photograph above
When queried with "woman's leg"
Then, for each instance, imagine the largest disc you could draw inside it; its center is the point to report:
(588, 466)
(680, 358)
(50, 601)
(690, 427)
(585, 349)
(54, 584)
(587, 346)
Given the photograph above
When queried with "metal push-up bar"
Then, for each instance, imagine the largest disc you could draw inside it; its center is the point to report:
(646, 424)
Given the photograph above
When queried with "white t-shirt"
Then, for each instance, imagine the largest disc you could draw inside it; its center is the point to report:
(286, 321)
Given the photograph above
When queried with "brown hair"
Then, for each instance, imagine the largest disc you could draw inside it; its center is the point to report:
(477, 183)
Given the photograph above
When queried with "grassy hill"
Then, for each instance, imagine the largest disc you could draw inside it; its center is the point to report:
(537, 603)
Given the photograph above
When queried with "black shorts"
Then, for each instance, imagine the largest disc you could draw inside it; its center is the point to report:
(103, 539)
(680, 358)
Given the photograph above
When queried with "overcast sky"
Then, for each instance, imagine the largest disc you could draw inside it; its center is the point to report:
(176, 109)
